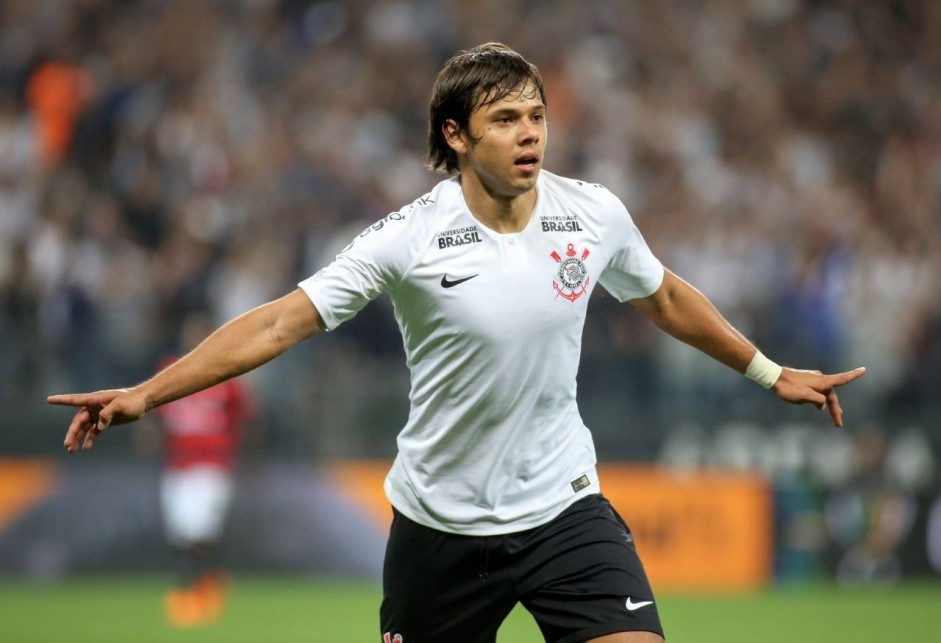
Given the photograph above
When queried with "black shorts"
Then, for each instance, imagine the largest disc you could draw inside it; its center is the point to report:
(579, 576)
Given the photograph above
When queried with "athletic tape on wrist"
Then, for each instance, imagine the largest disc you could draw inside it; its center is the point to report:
(763, 370)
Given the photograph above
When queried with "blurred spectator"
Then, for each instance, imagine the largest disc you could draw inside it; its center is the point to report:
(870, 517)
(56, 93)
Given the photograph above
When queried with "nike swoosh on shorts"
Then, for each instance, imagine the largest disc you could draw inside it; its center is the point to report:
(631, 605)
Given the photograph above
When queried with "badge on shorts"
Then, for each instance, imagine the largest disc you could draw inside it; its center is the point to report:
(580, 483)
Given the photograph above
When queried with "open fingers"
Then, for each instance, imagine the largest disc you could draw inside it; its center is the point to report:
(813, 396)
(833, 404)
(90, 437)
(81, 423)
(813, 387)
(840, 379)
(85, 427)
(69, 399)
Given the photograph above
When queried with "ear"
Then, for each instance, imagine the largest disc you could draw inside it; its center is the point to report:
(453, 136)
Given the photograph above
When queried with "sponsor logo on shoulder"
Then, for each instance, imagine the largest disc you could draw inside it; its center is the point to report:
(421, 201)
(400, 215)
(379, 225)
(458, 237)
(560, 223)
(388, 637)
(631, 605)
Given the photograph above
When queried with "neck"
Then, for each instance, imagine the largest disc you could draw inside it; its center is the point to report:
(501, 213)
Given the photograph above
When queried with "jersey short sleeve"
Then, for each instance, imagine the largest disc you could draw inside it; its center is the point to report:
(632, 271)
(373, 263)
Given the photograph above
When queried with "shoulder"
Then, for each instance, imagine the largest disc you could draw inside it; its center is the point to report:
(416, 218)
(392, 244)
(591, 203)
(397, 227)
(579, 190)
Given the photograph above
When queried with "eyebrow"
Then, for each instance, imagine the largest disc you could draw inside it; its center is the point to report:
(516, 110)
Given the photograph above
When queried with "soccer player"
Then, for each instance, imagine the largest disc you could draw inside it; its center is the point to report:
(201, 438)
(495, 493)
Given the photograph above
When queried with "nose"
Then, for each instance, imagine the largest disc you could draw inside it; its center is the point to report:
(529, 131)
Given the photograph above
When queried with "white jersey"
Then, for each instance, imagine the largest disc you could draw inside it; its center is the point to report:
(492, 326)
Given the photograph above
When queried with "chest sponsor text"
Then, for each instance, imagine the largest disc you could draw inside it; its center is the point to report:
(458, 237)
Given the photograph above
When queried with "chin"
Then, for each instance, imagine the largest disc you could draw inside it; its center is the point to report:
(527, 182)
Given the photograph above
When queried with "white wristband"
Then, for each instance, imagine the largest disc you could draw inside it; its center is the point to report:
(763, 370)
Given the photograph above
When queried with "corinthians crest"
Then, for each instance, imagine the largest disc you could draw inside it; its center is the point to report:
(572, 276)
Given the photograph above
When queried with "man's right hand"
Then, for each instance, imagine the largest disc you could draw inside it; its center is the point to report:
(97, 411)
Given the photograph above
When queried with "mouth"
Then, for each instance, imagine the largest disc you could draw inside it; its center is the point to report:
(527, 162)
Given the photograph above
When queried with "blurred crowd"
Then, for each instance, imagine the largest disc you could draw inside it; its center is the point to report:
(166, 157)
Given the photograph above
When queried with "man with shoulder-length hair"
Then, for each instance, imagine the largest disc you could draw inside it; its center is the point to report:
(495, 494)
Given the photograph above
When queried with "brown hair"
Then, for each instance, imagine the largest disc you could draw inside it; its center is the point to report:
(472, 79)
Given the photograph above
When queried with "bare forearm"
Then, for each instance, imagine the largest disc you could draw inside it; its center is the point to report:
(237, 347)
(685, 313)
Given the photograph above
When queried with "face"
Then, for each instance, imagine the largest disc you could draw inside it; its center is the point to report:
(504, 143)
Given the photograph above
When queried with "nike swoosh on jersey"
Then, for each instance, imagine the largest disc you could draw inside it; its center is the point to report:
(631, 605)
(446, 283)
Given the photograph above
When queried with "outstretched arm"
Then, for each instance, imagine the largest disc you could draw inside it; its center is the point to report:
(246, 342)
(685, 313)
